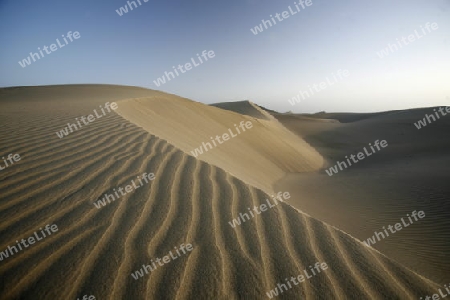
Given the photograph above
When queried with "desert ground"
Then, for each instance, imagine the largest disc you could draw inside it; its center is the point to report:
(410, 174)
(193, 199)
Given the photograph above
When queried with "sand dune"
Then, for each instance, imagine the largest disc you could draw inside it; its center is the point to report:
(190, 201)
(245, 108)
(260, 156)
(410, 174)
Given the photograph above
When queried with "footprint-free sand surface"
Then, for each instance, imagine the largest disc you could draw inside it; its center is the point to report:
(191, 200)
(412, 173)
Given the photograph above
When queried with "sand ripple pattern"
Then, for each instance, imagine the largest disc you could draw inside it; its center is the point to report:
(190, 201)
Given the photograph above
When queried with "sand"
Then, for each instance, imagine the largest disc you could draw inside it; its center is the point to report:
(260, 156)
(191, 200)
(245, 108)
(410, 174)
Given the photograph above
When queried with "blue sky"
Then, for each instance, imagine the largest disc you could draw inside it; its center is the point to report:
(268, 68)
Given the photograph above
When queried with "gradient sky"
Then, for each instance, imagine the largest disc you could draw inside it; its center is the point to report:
(268, 68)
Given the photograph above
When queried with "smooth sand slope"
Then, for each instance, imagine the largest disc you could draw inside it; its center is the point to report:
(245, 108)
(410, 174)
(260, 156)
(190, 201)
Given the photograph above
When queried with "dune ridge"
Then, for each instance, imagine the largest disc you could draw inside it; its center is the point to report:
(260, 156)
(245, 108)
(412, 174)
(189, 201)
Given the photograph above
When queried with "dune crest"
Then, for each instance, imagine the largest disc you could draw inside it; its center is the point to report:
(189, 201)
(245, 108)
(260, 156)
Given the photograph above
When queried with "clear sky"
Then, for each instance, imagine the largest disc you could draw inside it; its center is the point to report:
(268, 68)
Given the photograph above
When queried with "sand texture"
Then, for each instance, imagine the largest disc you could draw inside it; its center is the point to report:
(191, 200)
(410, 174)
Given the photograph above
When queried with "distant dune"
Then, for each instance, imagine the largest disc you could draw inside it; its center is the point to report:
(245, 108)
(410, 174)
(191, 200)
